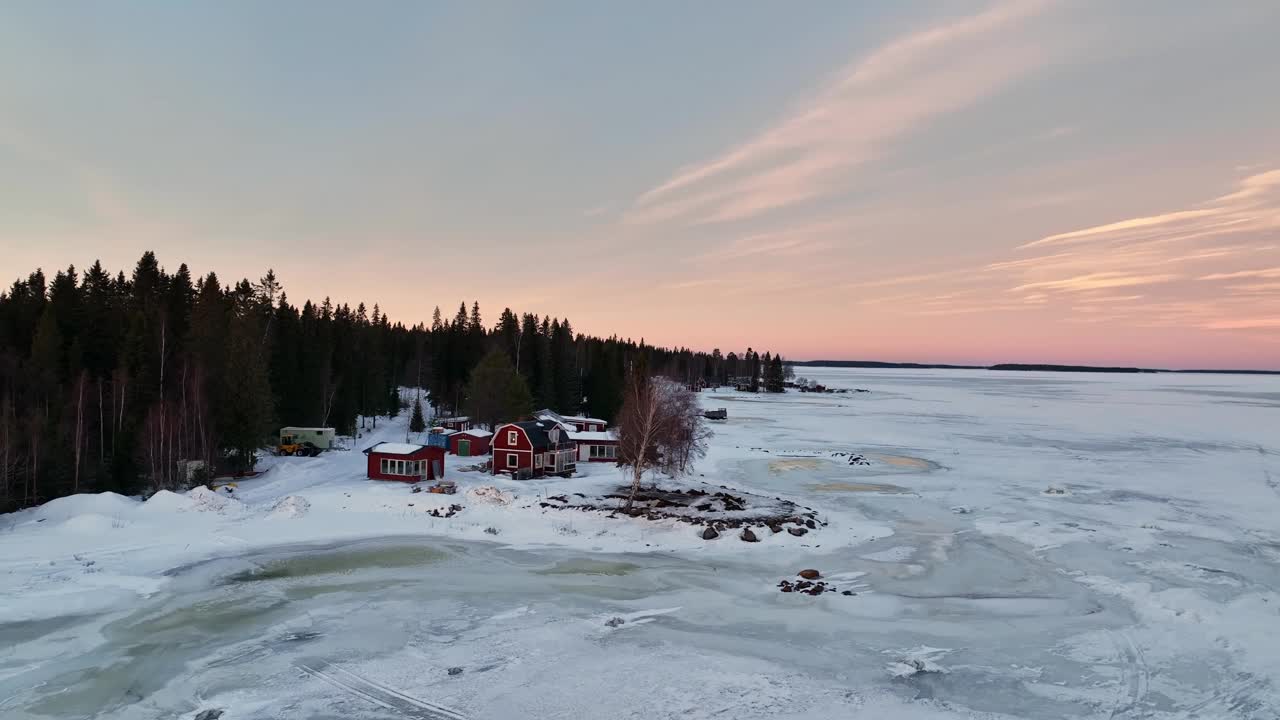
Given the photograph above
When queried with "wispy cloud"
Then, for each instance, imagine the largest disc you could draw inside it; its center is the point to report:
(860, 112)
(1096, 281)
(1263, 273)
(1254, 205)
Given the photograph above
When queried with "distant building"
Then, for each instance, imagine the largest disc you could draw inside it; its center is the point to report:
(455, 424)
(406, 462)
(470, 443)
(533, 448)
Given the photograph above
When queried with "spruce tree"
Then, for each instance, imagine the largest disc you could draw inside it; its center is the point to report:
(417, 423)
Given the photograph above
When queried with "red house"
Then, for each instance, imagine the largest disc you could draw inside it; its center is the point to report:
(470, 443)
(596, 446)
(533, 448)
(456, 424)
(406, 462)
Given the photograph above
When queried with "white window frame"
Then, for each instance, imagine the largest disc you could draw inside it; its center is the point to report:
(513, 460)
(513, 437)
(385, 466)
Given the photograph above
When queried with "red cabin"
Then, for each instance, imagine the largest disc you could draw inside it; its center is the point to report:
(406, 462)
(533, 448)
(456, 424)
(470, 443)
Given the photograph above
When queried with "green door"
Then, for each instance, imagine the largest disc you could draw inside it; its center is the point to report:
(464, 448)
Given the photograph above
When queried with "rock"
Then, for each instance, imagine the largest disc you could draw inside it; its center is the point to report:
(710, 534)
(210, 714)
(455, 671)
(809, 574)
(614, 622)
(797, 531)
(748, 536)
(810, 524)
(848, 592)
(775, 528)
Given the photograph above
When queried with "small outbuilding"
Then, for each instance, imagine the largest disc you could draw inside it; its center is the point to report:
(456, 424)
(470, 443)
(406, 462)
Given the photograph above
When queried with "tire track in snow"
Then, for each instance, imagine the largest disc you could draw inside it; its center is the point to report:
(378, 694)
(1137, 677)
(1231, 699)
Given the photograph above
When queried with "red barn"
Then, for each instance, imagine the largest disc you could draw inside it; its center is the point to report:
(470, 443)
(406, 462)
(533, 448)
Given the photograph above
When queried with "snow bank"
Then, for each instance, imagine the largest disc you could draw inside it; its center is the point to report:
(205, 500)
(293, 506)
(66, 508)
(166, 501)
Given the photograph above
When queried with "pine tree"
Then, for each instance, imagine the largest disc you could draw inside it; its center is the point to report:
(497, 393)
(417, 423)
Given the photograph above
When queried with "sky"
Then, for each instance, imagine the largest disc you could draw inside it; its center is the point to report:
(970, 182)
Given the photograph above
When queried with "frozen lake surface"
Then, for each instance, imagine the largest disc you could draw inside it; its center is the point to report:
(1035, 545)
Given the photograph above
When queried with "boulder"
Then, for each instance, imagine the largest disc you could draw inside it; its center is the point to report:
(797, 531)
(748, 536)
(210, 714)
(809, 574)
(710, 534)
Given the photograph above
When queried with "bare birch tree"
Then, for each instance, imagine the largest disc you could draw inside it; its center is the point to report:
(660, 428)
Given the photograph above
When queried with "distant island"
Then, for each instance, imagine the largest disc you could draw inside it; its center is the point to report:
(1017, 366)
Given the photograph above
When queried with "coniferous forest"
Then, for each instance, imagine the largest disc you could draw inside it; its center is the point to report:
(117, 382)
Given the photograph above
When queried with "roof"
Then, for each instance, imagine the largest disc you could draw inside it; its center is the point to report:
(553, 415)
(315, 429)
(475, 433)
(605, 436)
(460, 418)
(537, 431)
(393, 448)
(441, 431)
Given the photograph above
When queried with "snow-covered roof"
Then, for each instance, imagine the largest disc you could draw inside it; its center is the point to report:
(441, 431)
(460, 418)
(557, 417)
(474, 433)
(593, 436)
(394, 448)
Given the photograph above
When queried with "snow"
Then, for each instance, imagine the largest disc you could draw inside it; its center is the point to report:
(396, 448)
(596, 436)
(476, 433)
(1148, 588)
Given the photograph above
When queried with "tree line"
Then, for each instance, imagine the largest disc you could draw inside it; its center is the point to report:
(153, 379)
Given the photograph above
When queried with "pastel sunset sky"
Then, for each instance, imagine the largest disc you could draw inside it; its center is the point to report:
(1012, 181)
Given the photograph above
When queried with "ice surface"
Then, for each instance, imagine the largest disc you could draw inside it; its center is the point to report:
(1148, 588)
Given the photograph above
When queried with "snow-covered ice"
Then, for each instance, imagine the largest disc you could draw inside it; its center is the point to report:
(1148, 587)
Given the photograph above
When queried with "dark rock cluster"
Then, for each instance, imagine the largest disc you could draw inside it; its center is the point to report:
(447, 513)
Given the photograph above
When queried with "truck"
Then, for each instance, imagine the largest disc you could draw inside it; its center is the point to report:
(306, 441)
